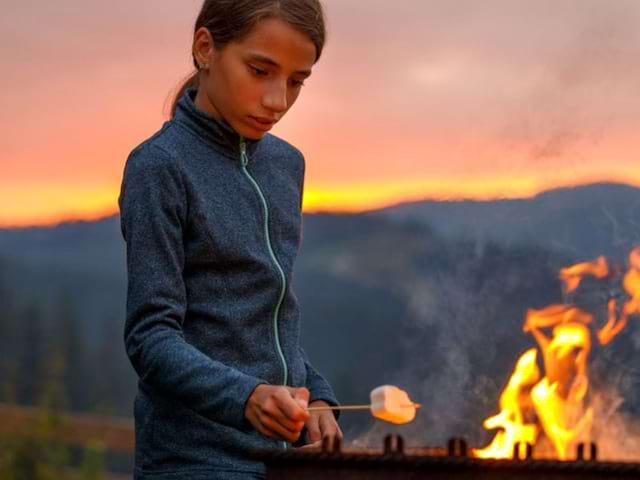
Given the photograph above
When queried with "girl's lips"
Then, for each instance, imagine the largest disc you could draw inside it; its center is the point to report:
(261, 124)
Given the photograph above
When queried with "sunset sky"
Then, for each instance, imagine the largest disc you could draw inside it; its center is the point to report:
(411, 99)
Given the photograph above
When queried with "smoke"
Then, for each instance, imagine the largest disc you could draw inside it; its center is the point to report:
(616, 434)
(635, 339)
(443, 379)
(458, 351)
(584, 88)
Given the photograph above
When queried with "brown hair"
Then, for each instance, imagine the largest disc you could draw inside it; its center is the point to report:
(232, 20)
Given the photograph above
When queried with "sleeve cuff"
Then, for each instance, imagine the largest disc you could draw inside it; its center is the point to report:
(243, 394)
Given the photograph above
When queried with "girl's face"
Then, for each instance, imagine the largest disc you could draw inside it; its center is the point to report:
(252, 83)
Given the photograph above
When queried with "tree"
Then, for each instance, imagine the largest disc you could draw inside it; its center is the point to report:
(71, 346)
(31, 357)
(8, 337)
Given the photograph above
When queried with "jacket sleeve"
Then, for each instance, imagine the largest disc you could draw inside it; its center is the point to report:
(318, 386)
(153, 209)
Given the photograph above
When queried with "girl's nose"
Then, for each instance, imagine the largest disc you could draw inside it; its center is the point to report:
(275, 98)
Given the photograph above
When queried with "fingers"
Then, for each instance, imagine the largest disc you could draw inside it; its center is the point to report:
(301, 399)
(301, 396)
(275, 428)
(321, 425)
(278, 412)
(290, 409)
(312, 446)
(272, 427)
(281, 414)
(263, 430)
(328, 426)
(313, 428)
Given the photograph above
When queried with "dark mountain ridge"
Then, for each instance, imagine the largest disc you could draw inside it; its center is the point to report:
(583, 221)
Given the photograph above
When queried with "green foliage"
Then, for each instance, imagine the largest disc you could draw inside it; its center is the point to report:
(93, 462)
(40, 455)
(37, 455)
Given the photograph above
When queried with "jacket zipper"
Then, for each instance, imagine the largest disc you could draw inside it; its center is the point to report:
(244, 160)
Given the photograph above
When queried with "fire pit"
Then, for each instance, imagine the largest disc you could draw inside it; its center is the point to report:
(548, 410)
(451, 463)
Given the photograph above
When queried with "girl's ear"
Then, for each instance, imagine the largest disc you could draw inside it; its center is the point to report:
(203, 48)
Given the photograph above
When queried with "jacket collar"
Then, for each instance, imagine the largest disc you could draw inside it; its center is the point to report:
(217, 132)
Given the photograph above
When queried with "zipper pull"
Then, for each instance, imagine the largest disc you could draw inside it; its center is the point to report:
(244, 160)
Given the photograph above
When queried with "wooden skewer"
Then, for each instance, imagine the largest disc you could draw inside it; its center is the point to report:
(353, 407)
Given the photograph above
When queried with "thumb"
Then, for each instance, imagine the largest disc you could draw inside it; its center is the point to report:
(301, 396)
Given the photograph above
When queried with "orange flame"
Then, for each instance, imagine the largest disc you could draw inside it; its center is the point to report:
(614, 324)
(556, 415)
(554, 406)
(511, 419)
(631, 283)
(572, 276)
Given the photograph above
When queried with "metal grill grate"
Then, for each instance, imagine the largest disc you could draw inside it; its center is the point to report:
(451, 463)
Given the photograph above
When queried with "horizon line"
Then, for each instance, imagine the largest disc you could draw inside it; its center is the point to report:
(318, 210)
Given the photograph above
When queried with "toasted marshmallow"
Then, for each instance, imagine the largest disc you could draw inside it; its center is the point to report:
(392, 404)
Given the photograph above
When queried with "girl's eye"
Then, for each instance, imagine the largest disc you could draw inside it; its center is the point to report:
(297, 83)
(258, 71)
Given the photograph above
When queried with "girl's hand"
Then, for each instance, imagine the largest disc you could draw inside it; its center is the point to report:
(278, 412)
(320, 425)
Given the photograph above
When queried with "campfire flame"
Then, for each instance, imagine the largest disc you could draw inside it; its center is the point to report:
(572, 276)
(554, 406)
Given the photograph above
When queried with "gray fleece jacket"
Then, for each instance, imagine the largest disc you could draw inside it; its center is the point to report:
(212, 224)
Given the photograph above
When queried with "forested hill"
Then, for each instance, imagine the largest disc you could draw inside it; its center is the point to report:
(588, 220)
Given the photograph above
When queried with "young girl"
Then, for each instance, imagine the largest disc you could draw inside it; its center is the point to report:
(211, 214)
